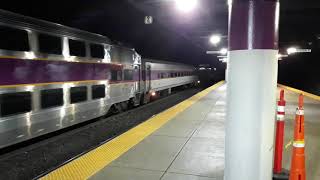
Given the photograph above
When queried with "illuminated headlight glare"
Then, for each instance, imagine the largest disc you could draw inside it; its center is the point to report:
(153, 94)
(198, 82)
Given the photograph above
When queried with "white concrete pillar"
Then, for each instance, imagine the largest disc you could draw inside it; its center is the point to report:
(251, 93)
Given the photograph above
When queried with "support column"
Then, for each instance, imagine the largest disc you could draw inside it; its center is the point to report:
(251, 92)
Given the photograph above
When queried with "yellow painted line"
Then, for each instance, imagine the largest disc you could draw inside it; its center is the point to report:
(288, 144)
(312, 96)
(93, 161)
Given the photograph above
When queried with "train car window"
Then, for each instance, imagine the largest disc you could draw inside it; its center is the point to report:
(78, 94)
(15, 103)
(50, 44)
(51, 98)
(143, 75)
(13, 39)
(119, 77)
(128, 74)
(77, 48)
(162, 75)
(97, 51)
(98, 91)
(114, 75)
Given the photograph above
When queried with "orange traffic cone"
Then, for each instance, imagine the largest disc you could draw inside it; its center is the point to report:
(298, 170)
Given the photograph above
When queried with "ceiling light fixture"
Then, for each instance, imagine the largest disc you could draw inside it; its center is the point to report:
(292, 50)
(215, 39)
(224, 51)
(186, 5)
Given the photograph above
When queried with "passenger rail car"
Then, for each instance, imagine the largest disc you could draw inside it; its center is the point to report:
(53, 76)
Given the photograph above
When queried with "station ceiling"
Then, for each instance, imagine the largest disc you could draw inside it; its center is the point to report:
(173, 36)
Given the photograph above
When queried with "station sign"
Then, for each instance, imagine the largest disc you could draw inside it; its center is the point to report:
(148, 20)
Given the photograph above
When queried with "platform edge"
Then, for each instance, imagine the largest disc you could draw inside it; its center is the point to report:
(90, 163)
(310, 95)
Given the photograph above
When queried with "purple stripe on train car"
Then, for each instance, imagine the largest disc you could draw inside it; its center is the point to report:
(17, 71)
(253, 25)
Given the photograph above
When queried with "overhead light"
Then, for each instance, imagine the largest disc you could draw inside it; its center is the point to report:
(224, 51)
(224, 60)
(280, 56)
(215, 39)
(186, 5)
(292, 50)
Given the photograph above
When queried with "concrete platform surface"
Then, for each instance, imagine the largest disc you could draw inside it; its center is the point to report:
(189, 147)
(186, 142)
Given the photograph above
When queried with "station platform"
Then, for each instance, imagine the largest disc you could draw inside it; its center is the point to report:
(185, 142)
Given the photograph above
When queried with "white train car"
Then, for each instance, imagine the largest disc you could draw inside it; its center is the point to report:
(53, 77)
(166, 75)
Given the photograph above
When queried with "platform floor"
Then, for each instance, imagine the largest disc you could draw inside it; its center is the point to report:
(190, 146)
(185, 143)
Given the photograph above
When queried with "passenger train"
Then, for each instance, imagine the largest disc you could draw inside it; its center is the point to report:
(53, 76)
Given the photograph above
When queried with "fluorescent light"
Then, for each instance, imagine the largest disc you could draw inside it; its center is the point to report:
(292, 50)
(224, 51)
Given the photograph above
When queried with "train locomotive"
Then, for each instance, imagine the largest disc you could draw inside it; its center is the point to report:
(53, 77)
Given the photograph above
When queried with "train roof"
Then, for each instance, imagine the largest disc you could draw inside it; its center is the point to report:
(25, 22)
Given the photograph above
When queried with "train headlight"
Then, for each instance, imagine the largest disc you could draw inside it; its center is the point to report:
(198, 82)
(153, 94)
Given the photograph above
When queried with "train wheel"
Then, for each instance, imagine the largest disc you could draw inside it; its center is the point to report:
(124, 106)
(112, 110)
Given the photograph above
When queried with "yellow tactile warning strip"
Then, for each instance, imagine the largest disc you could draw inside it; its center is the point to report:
(312, 96)
(93, 161)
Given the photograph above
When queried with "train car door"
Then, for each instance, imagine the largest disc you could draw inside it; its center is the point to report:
(137, 70)
(148, 77)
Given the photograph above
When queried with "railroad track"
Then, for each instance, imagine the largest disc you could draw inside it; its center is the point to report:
(37, 157)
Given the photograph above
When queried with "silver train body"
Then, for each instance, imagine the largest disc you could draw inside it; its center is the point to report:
(53, 76)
